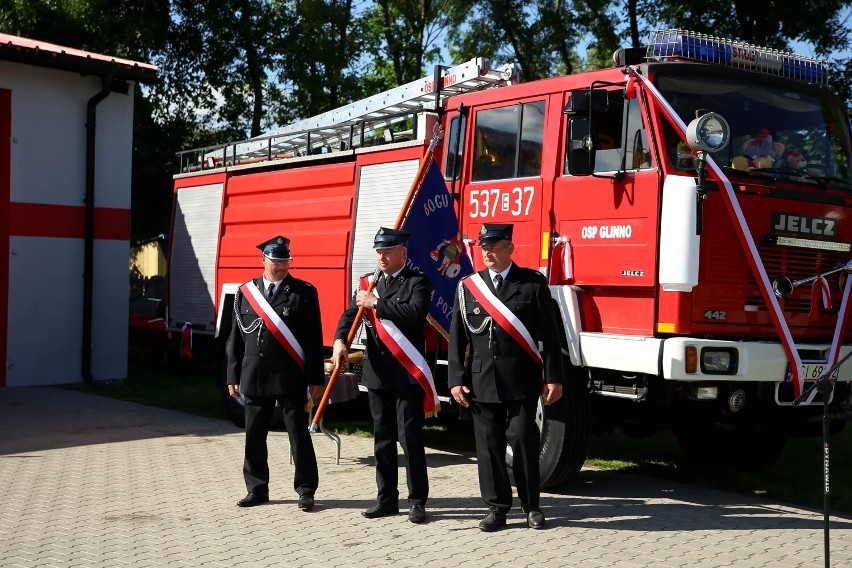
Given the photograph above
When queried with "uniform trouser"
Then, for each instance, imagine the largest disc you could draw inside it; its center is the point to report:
(398, 414)
(256, 466)
(494, 425)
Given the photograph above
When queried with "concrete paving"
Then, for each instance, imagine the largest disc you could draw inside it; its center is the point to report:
(93, 482)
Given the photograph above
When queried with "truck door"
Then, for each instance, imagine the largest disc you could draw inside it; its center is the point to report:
(606, 201)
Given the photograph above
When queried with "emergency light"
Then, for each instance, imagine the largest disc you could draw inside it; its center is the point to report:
(666, 45)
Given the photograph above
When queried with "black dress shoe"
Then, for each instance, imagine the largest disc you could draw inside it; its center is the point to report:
(535, 519)
(417, 514)
(252, 499)
(378, 511)
(306, 502)
(492, 521)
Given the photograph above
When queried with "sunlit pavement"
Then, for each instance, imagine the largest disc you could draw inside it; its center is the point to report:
(95, 482)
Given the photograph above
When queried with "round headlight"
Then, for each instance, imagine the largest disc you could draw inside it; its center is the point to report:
(708, 133)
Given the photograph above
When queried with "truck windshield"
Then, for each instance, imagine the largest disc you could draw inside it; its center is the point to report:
(788, 130)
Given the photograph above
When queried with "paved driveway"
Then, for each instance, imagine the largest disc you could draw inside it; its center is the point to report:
(90, 481)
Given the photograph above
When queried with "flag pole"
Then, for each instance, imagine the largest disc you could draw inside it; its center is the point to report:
(425, 163)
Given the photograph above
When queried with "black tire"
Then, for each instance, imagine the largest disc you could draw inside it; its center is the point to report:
(565, 431)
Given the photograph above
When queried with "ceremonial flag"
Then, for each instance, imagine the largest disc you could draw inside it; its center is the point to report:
(429, 179)
(435, 247)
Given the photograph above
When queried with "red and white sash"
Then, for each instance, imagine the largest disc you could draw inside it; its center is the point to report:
(405, 352)
(274, 323)
(502, 315)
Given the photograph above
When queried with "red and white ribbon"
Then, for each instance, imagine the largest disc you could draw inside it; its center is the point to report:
(467, 244)
(503, 316)
(186, 340)
(274, 323)
(405, 352)
(561, 263)
(820, 288)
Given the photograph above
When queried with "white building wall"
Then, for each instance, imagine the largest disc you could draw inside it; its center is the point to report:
(48, 152)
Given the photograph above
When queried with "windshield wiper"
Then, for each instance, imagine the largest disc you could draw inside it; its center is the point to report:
(820, 180)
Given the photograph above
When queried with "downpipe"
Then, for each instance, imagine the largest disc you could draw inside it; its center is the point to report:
(89, 238)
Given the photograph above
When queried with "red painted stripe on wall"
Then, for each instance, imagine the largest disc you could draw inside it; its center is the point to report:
(65, 221)
(5, 184)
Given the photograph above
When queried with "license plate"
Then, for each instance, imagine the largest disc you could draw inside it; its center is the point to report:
(812, 370)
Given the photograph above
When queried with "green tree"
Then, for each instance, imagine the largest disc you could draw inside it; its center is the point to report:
(227, 55)
(403, 37)
(317, 60)
(543, 36)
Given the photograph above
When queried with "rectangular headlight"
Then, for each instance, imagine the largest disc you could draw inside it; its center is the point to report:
(719, 360)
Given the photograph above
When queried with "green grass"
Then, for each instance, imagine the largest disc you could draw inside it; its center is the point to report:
(184, 387)
(795, 478)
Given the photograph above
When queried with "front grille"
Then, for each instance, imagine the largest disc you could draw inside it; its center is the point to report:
(797, 264)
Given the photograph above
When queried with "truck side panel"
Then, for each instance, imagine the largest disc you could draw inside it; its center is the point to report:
(312, 207)
(192, 263)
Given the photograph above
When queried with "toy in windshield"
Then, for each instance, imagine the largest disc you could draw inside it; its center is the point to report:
(760, 152)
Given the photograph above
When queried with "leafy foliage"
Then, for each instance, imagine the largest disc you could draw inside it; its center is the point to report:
(231, 69)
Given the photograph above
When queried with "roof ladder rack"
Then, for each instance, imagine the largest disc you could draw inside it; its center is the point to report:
(349, 122)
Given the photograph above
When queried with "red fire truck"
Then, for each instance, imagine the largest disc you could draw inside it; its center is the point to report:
(690, 206)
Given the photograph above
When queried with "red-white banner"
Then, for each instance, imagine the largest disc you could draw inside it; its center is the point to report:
(503, 316)
(405, 352)
(274, 323)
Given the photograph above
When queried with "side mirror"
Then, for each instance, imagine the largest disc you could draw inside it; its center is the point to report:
(581, 151)
(579, 101)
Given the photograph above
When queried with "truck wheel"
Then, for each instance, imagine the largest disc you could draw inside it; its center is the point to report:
(565, 430)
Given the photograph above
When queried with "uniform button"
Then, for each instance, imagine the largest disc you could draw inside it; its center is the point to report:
(261, 355)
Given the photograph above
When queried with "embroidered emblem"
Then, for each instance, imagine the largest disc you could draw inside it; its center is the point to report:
(447, 255)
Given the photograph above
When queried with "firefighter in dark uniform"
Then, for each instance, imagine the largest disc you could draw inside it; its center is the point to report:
(492, 374)
(265, 367)
(396, 399)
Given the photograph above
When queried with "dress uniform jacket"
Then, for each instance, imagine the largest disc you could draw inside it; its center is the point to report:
(498, 369)
(405, 302)
(258, 363)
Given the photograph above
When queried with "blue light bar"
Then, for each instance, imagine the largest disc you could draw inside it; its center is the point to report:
(667, 45)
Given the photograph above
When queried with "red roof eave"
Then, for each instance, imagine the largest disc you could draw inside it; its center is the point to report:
(35, 48)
